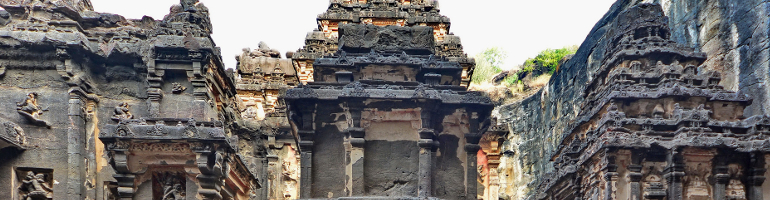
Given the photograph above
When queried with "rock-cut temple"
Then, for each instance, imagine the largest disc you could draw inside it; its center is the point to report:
(374, 106)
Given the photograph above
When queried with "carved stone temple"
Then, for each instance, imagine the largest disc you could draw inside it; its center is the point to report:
(386, 116)
(96, 106)
(656, 125)
(374, 106)
(379, 107)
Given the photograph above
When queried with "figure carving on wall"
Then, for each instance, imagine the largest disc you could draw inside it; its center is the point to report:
(290, 178)
(15, 132)
(178, 88)
(122, 111)
(35, 187)
(30, 109)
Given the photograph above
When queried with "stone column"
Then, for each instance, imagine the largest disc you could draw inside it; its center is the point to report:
(472, 175)
(426, 165)
(635, 176)
(610, 176)
(354, 157)
(472, 148)
(721, 177)
(306, 167)
(757, 176)
(306, 137)
(673, 174)
(263, 192)
(75, 145)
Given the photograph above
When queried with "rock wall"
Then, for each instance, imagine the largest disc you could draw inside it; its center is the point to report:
(734, 36)
(733, 33)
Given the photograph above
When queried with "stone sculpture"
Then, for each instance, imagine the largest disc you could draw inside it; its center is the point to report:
(122, 112)
(30, 109)
(35, 187)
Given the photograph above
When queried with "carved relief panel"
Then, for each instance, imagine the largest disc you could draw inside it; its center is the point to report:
(34, 184)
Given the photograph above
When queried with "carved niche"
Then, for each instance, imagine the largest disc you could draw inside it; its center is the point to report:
(34, 184)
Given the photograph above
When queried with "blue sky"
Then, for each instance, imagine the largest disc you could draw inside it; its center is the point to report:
(521, 27)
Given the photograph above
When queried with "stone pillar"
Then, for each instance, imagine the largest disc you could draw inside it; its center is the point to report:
(673, 174)
(306, 135)
(721, 177)
(263, 192)
(471, 148)
(472, 175)
(306, 167)
(610, 176)
(635, 176)
(426, 165)
(757, 176)
(354, 165)
(75, 145)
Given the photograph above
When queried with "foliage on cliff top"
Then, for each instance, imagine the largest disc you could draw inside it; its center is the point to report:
(547, 61)
(488, 63)
(508, 86)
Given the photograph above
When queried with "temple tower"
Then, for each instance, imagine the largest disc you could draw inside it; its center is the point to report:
(387, 115)
(655, 125)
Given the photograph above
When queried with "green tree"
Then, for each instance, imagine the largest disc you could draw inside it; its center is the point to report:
(488, 63)
(547, 61)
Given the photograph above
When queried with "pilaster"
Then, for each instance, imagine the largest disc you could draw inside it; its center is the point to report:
(355, 142)
(471, 149)
(756, 176)
(673, 174)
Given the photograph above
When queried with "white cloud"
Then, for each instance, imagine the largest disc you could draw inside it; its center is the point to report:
(521, 27)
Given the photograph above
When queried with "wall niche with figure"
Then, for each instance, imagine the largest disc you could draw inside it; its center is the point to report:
(33, 184)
